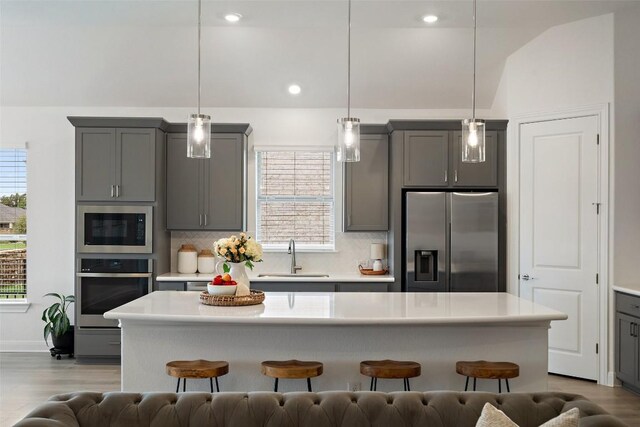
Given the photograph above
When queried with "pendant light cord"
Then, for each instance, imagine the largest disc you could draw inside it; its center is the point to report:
(199, 48)
(349, 64)
(473, 95)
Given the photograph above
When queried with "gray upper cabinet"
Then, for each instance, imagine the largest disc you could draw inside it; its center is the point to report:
(426, 158)
(206, 194)
(366, 186)
(184, 192)
(483, 174)
(115, 164)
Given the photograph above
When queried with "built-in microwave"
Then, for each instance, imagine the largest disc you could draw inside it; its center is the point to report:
(115, 229)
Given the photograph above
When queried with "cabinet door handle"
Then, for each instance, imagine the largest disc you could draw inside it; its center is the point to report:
(446, 178)
(205, 220)
(349, 220)
(631, 329)
(455, 175)
(117, 190)
(112, 190)
(200, 220)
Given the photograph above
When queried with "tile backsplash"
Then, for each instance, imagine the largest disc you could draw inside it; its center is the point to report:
(351, 248)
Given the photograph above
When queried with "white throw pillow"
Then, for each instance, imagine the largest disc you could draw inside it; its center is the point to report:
(493, 417)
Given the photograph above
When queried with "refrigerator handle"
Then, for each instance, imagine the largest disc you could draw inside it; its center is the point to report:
(448, 256)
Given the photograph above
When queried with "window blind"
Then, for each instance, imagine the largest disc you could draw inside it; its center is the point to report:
(295, 199)
(13, 226)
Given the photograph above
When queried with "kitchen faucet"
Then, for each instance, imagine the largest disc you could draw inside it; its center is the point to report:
(292, 252)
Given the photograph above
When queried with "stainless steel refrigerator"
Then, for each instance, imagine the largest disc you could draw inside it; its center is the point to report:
(451, 242)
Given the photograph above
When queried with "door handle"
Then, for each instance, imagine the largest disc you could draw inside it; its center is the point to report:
(112, 190)
(455, 175)
(117, 190)
(200, 220)
(526, 277)
(446, 178)
(205, 220)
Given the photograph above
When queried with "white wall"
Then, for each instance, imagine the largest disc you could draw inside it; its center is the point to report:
(51, 189)
(626, 125)
(566, 66)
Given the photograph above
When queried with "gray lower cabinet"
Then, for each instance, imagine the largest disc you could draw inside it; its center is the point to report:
(627, 340)
(170, 286)
(426, 158)
(366, 186)
(206, 194)
(363, 287)
(115, 164)
(97, 343)
(483, 174)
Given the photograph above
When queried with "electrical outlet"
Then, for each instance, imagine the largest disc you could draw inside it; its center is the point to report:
(354, 386)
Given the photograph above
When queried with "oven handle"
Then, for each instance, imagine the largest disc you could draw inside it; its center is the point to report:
(134, 275)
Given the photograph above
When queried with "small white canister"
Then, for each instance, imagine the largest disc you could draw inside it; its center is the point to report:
(206, 261)
(187, 259)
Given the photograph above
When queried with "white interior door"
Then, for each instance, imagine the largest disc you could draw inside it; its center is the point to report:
(559, 236)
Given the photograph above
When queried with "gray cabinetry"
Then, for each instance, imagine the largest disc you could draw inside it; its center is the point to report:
(483, 174)
(627, 340)
(366, 186)
(426, 158)
(97, 344)
(115, 164)
(206, 194)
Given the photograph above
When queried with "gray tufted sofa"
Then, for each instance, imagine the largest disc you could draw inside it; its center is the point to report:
(437, 409)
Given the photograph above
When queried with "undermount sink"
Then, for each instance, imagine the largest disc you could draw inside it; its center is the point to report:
(292, 275)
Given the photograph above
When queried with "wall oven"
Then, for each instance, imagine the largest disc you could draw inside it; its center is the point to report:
(115, 229)
(106, 283)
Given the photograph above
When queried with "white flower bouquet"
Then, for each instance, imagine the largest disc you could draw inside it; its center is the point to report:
(241, 249)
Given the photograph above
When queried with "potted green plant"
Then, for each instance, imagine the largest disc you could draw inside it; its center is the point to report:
(58, 326)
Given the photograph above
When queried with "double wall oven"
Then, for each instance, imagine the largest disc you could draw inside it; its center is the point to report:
(114, 264)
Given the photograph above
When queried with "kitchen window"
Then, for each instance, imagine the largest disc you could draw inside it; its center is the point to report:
(295, 199)
(13, 224)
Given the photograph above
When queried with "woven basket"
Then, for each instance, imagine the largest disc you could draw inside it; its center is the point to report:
(256, 297)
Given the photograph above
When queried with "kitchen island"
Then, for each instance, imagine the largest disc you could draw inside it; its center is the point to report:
(338, 329)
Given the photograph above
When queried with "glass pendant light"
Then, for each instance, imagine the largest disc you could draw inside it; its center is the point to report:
(199, 125)
(473, 130)
(348, 127)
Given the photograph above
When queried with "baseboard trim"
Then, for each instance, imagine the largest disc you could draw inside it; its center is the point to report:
(611, 380)
(7, 346)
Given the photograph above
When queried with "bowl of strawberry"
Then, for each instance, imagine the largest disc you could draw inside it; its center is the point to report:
(222, 284)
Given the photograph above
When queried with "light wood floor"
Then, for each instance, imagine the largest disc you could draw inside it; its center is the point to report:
(27, 379)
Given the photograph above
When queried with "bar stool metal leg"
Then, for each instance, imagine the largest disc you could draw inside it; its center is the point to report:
(217, 385)
(309, 384)
(474, 383)
(507, 381)
(275, 387)
(499, 386)
(184, 385)
(178, 386)
(371, 386)
(375, 384)
(211, 384)
(408, 385)
(466, 384)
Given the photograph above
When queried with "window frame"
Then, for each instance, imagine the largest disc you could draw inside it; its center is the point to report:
(17, 304)
(332, 200)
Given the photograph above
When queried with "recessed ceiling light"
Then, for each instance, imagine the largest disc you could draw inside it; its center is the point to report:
(430, 19)
(232, 17)
(294, 89)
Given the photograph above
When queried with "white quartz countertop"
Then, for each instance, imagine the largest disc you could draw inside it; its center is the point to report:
(340, 308)
(628, 289)
(333, 278)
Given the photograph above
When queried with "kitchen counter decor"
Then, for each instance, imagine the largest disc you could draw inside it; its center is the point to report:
(238, 253)
(372, 272)
(254, 298)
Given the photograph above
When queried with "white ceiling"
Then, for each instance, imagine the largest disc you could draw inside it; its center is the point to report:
(143, 52)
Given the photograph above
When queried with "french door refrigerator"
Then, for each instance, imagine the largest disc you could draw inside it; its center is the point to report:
(451, 242)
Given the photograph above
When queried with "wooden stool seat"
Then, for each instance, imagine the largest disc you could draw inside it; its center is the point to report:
(488, 370)
(291, 369)
(390, 369)
(196, 369)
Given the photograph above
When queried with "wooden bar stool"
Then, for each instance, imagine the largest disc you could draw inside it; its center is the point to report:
(390, 369)
(291, 369)
(197, 369)
(488, 370)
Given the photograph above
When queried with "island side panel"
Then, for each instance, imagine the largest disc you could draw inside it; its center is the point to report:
(147, 347)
